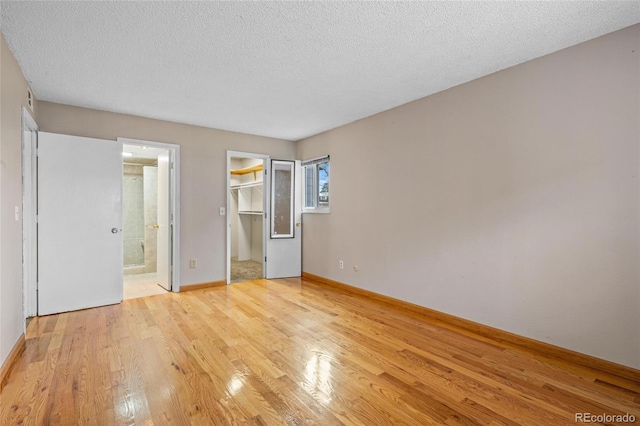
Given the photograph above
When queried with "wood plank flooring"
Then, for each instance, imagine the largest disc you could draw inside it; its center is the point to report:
(272, 352)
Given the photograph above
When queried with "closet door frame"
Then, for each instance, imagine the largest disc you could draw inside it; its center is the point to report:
(266, 162)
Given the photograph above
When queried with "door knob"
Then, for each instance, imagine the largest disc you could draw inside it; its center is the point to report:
(298, 224)
(114, 230)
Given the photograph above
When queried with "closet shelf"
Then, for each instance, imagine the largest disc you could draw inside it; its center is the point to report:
(252, 169)
(251, 212)
(246, 185)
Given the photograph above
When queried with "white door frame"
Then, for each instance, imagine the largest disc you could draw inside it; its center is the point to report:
(265, 204)
(174, 202)
(29, 216)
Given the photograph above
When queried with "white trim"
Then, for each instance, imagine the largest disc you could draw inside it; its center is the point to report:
(265, 228)
(316, 160)
(316, 210)
(174, 149)
(29, 216)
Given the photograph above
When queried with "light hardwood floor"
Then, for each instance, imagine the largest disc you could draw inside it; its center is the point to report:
(287, 352)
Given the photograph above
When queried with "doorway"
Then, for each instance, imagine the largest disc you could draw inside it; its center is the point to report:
(142, 199)
(29, 215)
(246, 218)
(151, 201)
(263, 192)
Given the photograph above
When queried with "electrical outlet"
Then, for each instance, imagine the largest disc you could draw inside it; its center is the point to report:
(193, 263)
(340, 264)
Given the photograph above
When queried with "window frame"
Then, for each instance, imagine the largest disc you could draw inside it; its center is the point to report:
(313, 163)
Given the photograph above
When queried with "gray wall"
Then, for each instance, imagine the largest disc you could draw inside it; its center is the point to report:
(512, 200)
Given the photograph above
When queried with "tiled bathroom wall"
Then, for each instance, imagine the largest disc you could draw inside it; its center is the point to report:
(133, 215)
(150, 175)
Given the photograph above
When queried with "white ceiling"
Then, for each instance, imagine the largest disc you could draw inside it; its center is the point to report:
(283, 69)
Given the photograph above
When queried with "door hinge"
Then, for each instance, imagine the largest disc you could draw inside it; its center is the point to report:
(171, 165)
(265, 258)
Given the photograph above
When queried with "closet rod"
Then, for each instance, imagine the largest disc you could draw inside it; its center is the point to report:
(246, 185)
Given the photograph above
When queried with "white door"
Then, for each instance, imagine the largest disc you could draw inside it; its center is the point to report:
(284, 239)
(164, 223)
(79, 223)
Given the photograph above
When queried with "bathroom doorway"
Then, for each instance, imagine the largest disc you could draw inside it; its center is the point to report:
(146, 220)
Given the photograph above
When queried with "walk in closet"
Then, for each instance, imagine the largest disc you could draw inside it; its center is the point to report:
(247, 213)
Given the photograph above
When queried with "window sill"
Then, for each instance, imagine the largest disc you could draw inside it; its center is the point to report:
(317, 211)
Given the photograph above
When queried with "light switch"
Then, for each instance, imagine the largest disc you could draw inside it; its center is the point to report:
(223, 211)
(17, 211)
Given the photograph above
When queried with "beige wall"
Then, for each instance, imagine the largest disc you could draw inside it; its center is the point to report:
(512, 200)
(13, 95)
(203, 173)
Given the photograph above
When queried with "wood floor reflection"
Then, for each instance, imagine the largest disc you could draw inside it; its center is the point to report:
(287, 352)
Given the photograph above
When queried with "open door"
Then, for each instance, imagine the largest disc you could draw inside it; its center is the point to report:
(80, 256)
(164, 222)
(284, 242)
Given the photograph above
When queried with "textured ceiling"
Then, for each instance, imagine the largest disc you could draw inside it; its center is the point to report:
(282, 69)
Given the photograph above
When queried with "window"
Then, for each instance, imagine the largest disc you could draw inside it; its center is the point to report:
(282, 188)
(316, 185)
